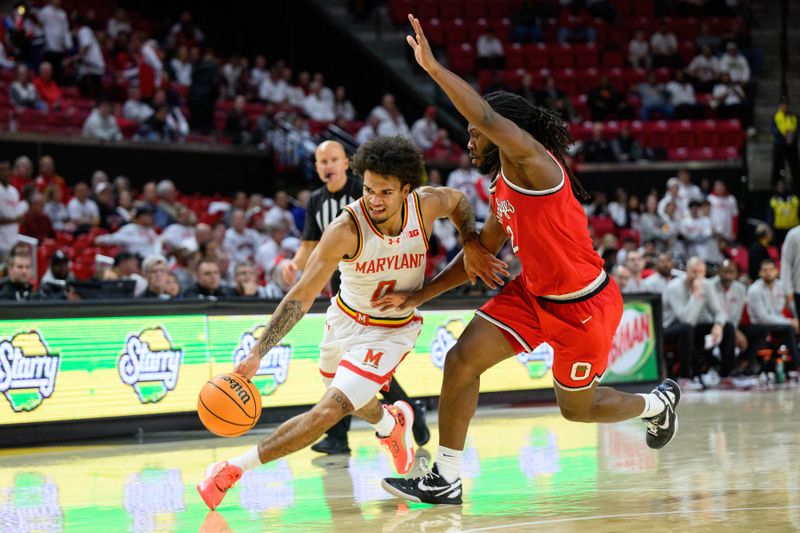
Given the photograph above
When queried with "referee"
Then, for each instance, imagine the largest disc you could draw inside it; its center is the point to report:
(324, 206)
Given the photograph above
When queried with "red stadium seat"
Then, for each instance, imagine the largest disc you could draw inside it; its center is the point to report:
(613, 59)
(644, 8)
(703, 154)
(566, 81)
(536, 56)
(585, 55)
(475, 28)
(474, 9)
(515, 56)
(451, 9)
(678, 154)
(683, 133)
(399, 10)
(581, 106)
(427, 9)
(727, 153)
(462, 58)
(628, 233)
(634, 76)
(499, 8)
(615, 77)
(587, 79)
(687, 50)
(638, 132)
(602, 225)
(503, 29)
(435, 32)
(730, 133)
(581, 132)
(658, 133)
(624, 7)
(706, 133)
(687, 28)
(455, 31)
(561, 56)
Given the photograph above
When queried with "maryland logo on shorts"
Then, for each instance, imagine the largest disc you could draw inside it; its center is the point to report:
(150, 364)
(27, 370)
(372, 359)
(274, 367)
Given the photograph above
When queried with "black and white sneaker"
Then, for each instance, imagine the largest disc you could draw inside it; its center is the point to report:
(661, 429)
(430, 487)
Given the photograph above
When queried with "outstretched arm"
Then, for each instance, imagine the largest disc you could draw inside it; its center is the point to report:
(339, 240)
(515, 143)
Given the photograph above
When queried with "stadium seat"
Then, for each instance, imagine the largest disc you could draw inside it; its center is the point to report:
(451, 9)
(435, 32)
(703, 154)
(503, 29)
(462, 58)
(658, 133)
(561, 56)
(455, 31)
(515, 56)
(678, 154)
(730, 132)
(727, 153)
(500, 8)
(427, 9)
(475, 28)
(586, 79)
(536, 56)
(474, 9)
(613, 59)
(683, 133)
(585, 55)
(566, 81)
(602, 225)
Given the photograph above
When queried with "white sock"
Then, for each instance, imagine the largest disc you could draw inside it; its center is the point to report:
(247, 460)
(385, 425)
(448, 463)
(653, 405)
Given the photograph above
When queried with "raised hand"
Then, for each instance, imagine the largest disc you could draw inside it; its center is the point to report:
(422, 50)
(481, 263)
(248, 366)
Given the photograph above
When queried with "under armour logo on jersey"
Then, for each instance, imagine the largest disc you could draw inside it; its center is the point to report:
(503, 208)
(372, 358)
(394, 240)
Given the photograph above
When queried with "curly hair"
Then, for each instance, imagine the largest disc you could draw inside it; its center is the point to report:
(390, 156)
(544, 125)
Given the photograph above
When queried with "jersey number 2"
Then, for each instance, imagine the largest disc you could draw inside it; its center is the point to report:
(510, 232)
(384, 288)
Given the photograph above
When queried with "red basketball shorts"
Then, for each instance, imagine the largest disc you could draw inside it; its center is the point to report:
(580, 331)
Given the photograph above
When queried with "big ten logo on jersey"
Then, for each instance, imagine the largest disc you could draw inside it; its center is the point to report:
(503, 208)
(538, 362)
(150, 364)
(372, 358)
(410, 234)
(270, 487)
(152, 497)
(31, 504)
(27, 370)
(274, 367)
(444, 339)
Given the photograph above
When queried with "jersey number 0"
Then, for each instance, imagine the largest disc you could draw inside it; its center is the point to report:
(384, 288)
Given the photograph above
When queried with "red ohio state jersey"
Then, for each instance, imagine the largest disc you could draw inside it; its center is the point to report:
(549, 233)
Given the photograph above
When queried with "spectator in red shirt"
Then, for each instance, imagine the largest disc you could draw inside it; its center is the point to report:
(48, 89)
(22, 173)
(36, 223)
(48, 176)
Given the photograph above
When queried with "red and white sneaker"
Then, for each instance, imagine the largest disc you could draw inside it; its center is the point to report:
(400, 442)
(219, 478)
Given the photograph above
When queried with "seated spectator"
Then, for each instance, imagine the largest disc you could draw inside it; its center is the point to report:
(527, 22)
(653, 227)
(83, 211)
(692, 311)
(394, 125)
(180, 67)
(56, 211)
(444, 149)
(621, 275)
(18, 285)
(369, 130)
(246, 284)
(654, 98)
(597, 149)
(682, 98)
(274, 88)
(705, 38)
(325, 92)
(138, 237)
(657, 281)
(35, 223)
(465, 178)
(698, 232)
(759, 250)
(626, 148)
(766, 305)
(575, 25)
(259, 72)
(734, 64)
(424, 130)
(167, 211)
(281, 212)
(704, 68)
(527, 90)
(111, 218)
(182, 233)
(728, 98)
(316, 107)
(382, 110)
(22, 92)
(172, 286)
(155, 269)
(342, 107)
(733, 296)
(556, 99)
(639, 51)
(134, 109)
(101, 125)
(269, 250)
(634, 262)
(724, 211)
(155, 128)
(176, 121)
(606, 102)
(664, 46)
(209, 282)
(240, 241)
(618, 209)
(686, 189)
(48, 176)
(489, 51)
(126, 267)
(238, 127)
(118, 23)
(12, 210)
(54, 283)
(47, 88)
(22, 172)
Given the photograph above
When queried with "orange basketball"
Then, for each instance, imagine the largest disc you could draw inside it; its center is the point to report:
(229, 405)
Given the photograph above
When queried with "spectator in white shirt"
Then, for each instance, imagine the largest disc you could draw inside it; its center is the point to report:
(465, 178)
(181, 66)
(101, 125)
(274, 89)
(296, 95)
(682, 97)
(269, 251)
(705, 70)
(11, 210)
(395, 125)
(674, 196)
(280, 213)
(664, 45)
(240, 241)
(634, 262)
(325, 92)
(728, 98)
(618, 209)
(489, 48)
(83, 211)
(138, 237)
(57, 38)
(182, 233)
(91, 65)
(697, 231)
(22, 92)
(134, 109)
(639, 51)
(315, 105)
(424, 130)
(382, 110)
(259, 72)
(118, 24)
(342, 107)
(657, 281)
(368, 130)
(688, 191)
(724, 210)
(734, 64)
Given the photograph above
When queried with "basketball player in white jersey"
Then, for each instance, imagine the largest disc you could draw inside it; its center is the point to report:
(379, 245)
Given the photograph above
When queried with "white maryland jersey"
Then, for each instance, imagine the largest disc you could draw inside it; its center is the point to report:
(383, 264)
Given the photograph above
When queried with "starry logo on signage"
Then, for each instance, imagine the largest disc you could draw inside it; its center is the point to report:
(274, 367)
(150, 364)
(28, 370)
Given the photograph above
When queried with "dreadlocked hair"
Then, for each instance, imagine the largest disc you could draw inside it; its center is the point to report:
(544, 125)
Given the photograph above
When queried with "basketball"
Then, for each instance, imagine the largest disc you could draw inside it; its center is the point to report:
(229, 405)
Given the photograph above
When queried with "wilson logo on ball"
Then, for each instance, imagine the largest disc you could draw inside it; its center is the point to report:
(237, 389)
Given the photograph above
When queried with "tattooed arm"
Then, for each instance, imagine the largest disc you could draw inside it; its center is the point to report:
(339, 240)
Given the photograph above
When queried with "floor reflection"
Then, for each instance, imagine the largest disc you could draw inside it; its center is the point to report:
(734, 465)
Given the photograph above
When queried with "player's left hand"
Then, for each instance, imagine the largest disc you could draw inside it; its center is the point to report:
(422, 50)
(399, 301)
(481, 263)
(248, 366)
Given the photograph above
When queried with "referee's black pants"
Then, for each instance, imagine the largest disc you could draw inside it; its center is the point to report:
(395, 393)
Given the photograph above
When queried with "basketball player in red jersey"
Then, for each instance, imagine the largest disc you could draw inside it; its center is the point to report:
(562, 297)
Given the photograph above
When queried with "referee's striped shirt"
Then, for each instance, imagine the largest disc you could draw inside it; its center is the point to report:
(324, 206)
